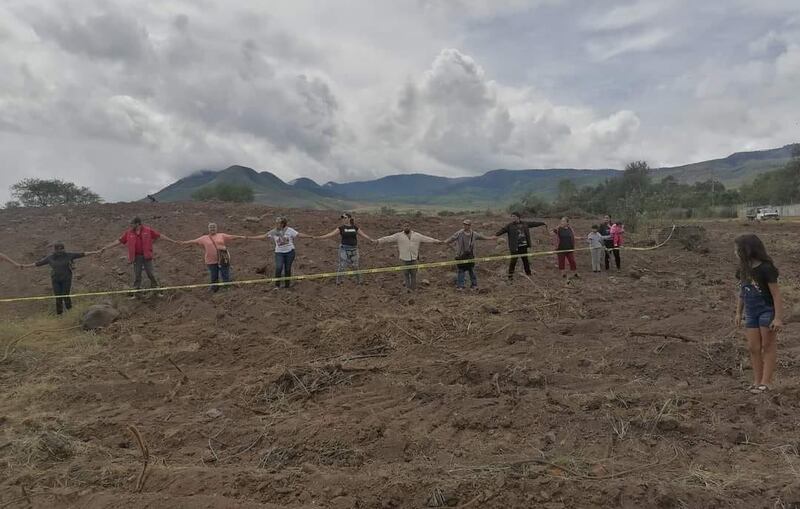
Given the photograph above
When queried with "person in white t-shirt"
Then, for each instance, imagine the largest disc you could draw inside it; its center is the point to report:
(283, 236)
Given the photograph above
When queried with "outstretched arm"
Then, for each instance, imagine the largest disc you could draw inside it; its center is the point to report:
(304, 236)
(364, 234)
(424, 238)
(9, 260)
(109, 246)
(387, 239)
(187, 242)
(168, 239)
(40, 263)
(258, 237)
(329, 235)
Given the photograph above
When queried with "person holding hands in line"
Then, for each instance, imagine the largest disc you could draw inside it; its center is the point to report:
(348, 232)
(61, 263)
(283, 236)
(464, 240)
(408, 242)
(139, 240)
(216, 255)
(519, 241)
(565, 245)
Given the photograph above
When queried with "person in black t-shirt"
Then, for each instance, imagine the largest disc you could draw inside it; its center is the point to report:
(61, 264)
(760, 299)
(519, 241)
(348, 248)
(565, 247)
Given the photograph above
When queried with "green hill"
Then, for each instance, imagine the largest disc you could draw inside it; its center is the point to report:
(493, 189)
(267, 188)
(734, 170)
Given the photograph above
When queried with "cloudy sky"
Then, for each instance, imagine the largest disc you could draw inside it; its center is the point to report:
(127, 96)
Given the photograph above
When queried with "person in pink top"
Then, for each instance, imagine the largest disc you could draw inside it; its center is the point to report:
(216, 255)
(617, 239)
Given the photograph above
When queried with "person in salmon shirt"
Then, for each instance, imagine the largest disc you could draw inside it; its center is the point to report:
(216, 255)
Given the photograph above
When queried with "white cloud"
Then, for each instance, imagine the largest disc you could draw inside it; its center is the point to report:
(642, 41)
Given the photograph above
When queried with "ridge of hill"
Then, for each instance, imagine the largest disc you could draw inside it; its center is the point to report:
(491, 189)
(267, 188)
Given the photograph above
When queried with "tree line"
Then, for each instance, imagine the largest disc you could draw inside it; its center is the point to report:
(635, 195)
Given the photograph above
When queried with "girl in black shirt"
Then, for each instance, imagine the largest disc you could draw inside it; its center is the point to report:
(348, 248)
(760, 299)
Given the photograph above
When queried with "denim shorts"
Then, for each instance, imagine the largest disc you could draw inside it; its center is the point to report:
(760, 318)
(757, 312)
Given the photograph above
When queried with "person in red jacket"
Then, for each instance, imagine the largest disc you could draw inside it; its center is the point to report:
(139, 240)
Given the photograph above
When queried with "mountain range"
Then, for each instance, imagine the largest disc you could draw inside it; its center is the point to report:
(493, 189)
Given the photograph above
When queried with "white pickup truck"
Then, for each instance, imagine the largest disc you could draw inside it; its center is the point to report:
(763, 214)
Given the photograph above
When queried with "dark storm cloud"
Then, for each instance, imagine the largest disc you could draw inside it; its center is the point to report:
(111, 35)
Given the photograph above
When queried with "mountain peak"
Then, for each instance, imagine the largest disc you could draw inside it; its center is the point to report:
(236, 168)
(304, 182)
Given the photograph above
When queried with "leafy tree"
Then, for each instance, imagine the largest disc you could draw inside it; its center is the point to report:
(33, 192)
(636, 177)
(13, 204)
(531, 204)
(566, 190)
(775, 187)
(225, 192)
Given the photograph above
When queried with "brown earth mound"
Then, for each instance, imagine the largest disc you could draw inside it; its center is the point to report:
(617, 390)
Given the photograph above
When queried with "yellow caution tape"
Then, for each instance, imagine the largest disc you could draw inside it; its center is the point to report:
(325, 275)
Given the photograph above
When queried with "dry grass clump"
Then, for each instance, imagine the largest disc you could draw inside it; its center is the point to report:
(303, 382)
(45, 332)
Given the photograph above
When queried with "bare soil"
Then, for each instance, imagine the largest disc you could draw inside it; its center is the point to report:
(624, 389)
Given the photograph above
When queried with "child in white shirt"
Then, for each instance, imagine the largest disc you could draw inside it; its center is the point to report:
(596, 247)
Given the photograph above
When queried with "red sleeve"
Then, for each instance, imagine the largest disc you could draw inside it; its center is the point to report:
(123, 238)
(154, 234)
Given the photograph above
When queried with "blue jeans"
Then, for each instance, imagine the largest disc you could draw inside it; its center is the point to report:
(461, 277)
(348, 259)
(216, 271)
(283, 267)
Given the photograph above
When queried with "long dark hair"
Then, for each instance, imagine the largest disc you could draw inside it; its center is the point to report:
(748, 248)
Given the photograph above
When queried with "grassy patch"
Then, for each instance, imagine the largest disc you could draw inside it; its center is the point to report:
(46, 332)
